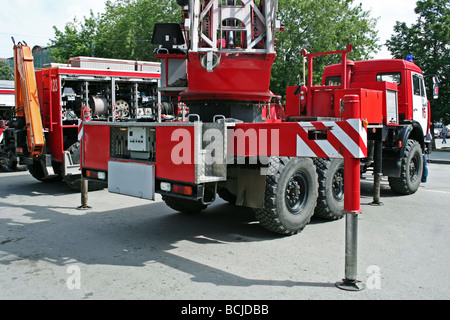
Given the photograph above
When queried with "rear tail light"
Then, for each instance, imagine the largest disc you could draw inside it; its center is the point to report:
(95, 175)
(188, 191)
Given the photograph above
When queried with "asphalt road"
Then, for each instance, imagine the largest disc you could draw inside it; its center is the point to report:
(125, 248)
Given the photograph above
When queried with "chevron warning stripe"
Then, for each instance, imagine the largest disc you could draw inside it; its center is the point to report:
(80, 129)
(345, 139)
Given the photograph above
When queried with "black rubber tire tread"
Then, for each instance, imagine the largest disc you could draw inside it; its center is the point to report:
(275, 217)
(36, 171)
(328, 207)
(184, 205)
(403, 185)
(226, 195)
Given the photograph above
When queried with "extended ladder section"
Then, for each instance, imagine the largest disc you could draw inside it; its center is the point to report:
(27, 102)
(233, 26)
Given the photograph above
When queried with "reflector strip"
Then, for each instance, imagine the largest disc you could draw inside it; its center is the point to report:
(345, 139)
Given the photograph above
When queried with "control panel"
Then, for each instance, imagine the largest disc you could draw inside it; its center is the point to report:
(138, 139)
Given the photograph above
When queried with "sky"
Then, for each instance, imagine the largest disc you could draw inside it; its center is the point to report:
(32, 21)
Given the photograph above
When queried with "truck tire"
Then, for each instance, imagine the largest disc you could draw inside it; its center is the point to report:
(184, 205)
(37, 171)
(330, 203)
(11, 162)
(226, 195)
(290, 195)
(411, 170)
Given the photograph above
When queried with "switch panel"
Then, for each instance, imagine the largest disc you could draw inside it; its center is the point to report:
(138, 139)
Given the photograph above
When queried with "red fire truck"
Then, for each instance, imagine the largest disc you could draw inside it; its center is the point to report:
(287, 162)
(115, 90)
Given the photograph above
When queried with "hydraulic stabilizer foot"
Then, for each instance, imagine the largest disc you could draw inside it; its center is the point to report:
(352, 208)
(84, 195)
(351, 254)
(350, 285)
(378, 172)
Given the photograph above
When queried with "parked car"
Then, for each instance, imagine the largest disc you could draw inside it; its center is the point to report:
(437, 130)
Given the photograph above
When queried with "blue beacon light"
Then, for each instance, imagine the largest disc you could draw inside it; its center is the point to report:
(410, 58)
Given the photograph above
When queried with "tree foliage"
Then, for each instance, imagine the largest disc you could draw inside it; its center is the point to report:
(77, 39)
(123, 31)
(6, 72)
(317, 26)
(428, 40)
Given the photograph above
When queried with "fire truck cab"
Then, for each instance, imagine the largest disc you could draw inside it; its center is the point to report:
(403, 114)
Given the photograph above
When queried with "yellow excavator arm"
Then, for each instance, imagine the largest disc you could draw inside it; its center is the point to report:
(27, 102)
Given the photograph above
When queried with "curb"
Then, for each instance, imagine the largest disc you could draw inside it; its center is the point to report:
(439, 161)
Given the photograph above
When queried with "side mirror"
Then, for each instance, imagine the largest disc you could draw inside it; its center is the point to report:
(436, 82)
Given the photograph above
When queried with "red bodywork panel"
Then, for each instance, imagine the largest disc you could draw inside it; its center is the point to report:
(239, 76)
(96, 138)
(292, 107)
(165, 167)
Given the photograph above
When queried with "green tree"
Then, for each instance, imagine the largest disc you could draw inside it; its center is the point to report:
(126, 29)
(123, 31)
(317, 26)
(6, 72)
(77, 39)
(428, 40)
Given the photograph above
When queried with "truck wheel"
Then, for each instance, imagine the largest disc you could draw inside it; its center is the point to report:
(37, 171)
(411, 170)
(11, 161)
(330, 203)
(184, 205)
(226, 195)
(290, 196)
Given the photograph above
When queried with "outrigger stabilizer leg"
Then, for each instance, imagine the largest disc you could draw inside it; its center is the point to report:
(352, 208)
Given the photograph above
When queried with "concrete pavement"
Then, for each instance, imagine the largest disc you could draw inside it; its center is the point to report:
(441, 154)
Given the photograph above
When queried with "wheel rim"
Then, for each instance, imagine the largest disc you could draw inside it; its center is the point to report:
(338, 185)
(296, 193)
(414, 169)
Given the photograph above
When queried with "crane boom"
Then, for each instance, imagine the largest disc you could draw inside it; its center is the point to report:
(27, 103)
